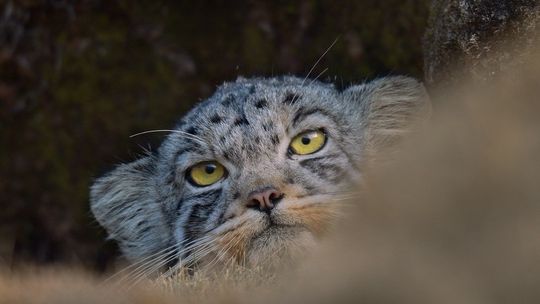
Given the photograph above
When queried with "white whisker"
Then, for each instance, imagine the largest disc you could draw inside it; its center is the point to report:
(149, 262)
(202, 242)
(145, 266)
(222, 252)
(320, 74)
(203, 247)
(185, 134)
(145, 274)
(140, 263)
(319, 60)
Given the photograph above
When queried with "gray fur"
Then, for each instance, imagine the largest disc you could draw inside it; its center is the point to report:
(246, 126)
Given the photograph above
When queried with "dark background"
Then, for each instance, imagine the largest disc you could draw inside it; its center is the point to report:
(77, 78)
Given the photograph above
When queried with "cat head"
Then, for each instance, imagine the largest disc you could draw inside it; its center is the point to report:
(255, 172)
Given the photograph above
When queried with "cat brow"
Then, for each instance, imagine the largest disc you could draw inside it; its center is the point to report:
(302, 114)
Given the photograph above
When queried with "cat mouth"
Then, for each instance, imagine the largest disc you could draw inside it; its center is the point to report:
(288, 231)
(278, 244)
(275, 227)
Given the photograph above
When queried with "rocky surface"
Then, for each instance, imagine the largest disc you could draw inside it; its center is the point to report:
(477, 38)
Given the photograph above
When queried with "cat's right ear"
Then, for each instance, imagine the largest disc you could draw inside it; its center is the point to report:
(387, 108)
(124, 203)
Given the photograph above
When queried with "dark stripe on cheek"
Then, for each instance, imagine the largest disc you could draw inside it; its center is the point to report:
(206, 195)
(199, 213)
(195, 223)
(221, 217)
(209, 198)
(328, 172)
(170, 178)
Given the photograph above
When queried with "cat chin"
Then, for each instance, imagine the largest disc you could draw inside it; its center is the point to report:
(272, 248)
(279, 245)
(256, 239)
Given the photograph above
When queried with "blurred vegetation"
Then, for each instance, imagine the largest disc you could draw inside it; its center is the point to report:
(77, 78)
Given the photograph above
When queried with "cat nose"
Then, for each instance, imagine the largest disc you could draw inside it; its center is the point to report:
(265, 199)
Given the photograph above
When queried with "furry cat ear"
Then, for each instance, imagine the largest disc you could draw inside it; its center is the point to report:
(123, 201)
(389, 108)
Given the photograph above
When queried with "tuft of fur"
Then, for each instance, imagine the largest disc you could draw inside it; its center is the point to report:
(134, 219)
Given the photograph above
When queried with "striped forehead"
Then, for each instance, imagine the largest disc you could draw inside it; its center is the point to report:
(237, 126)
(248, 118)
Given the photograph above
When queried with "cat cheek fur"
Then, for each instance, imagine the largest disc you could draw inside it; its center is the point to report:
(124, 202)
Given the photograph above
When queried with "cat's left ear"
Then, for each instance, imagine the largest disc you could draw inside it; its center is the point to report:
(387, 108)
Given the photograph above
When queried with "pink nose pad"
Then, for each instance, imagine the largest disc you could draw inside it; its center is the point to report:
(265, 199)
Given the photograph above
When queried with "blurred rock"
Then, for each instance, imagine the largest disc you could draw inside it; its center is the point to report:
(472, 37)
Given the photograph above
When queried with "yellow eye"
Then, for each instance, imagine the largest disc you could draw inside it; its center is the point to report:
(206, 173)
(308, 142)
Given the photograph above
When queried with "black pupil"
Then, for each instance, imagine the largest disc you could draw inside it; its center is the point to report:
(209, 169)
(306, 140)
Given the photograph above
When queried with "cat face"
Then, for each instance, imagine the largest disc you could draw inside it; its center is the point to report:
(258, 165)
(255, 172)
